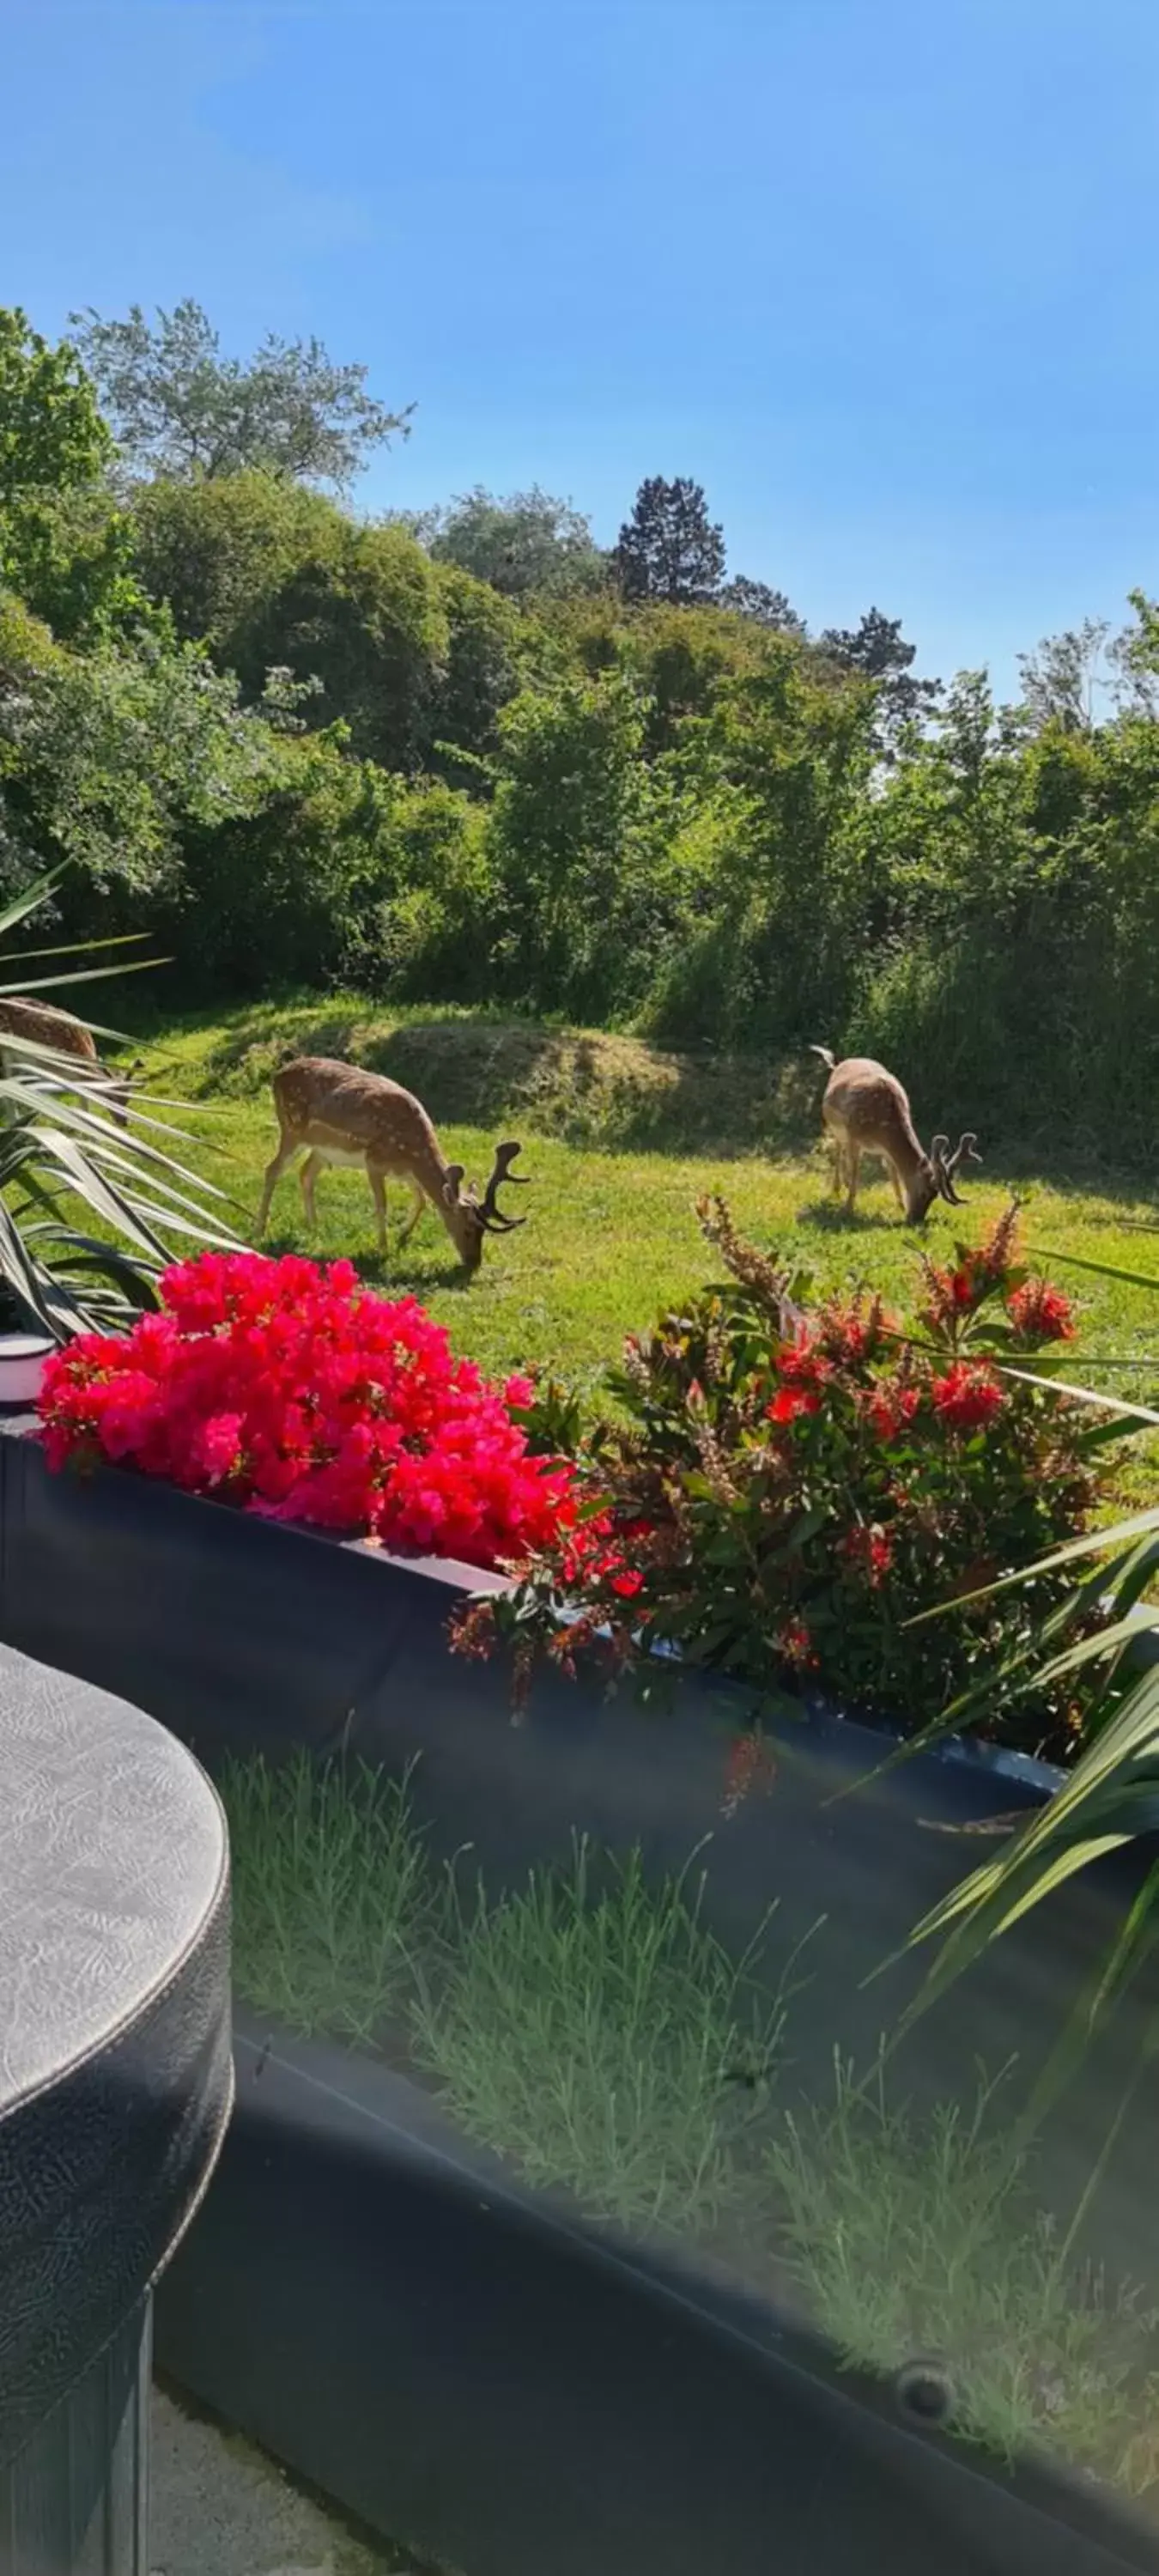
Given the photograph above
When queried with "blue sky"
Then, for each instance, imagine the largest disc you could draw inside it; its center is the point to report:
(880, 273)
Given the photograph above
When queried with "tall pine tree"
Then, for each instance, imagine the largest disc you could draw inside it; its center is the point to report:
(669, 549)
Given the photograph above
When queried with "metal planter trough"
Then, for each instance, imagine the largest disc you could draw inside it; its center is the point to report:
(474, 2363)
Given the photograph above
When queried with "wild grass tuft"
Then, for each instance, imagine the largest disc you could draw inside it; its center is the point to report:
(332, 1894)
(916, 2239)
(593, 2030)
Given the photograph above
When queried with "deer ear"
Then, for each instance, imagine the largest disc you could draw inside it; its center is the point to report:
(453, 1183)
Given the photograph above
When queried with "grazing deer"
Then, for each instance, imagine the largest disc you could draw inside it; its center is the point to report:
(47, 1026)
(867, 1112)
(347, 1116)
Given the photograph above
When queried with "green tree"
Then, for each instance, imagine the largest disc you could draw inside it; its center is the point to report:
(179, 407)
(765, 606)
(409, 653)
(52, 436)
(64, 545)
(362, 615)
(524, 543)
(106, 755)
(213, 551)
(1063, 678)
(877, 650)
(564, 841)
(669, 548)
(479, 672)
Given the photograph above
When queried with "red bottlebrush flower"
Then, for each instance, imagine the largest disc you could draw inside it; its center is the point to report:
(891, 1409)
(790, 1401)
(796, 1645)
(802, 1362)
(871, 1550)
(750, 1766)
(1041, 1313)
(629, 1583)
(968, 1396)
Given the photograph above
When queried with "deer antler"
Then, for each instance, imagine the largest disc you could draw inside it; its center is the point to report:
(946, 1164)
(489, 1214)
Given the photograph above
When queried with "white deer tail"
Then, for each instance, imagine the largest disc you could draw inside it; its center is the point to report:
(827, 1056)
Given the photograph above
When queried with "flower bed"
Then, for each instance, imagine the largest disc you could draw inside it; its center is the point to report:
(793, 1485)
(293, 1391)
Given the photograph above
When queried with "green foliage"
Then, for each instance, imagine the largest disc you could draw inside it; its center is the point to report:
(362, 616)
(410, 655)
(567, 847)
(431, 926)
(701, 819)
(669, 548)
(52, 436)
(215, 550)
(281, 890)
(528, 542)
(479, 673)
(180, 408)
(107, 757)
(64, 545)
(762, 604)
(876, 650)
(787, 1484)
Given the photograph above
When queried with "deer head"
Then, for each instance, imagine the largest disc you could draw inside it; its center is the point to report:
(469, 1218)
(936, 1175)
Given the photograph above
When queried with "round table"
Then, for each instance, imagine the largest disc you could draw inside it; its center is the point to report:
(115, 2091)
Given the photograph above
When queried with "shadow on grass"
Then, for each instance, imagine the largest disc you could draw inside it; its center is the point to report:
(608, 1092)
(602, 1090)
(831, 1216)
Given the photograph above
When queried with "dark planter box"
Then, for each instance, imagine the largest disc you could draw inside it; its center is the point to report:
(462, 2363)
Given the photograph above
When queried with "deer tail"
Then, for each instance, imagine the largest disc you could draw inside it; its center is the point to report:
(827, 1056)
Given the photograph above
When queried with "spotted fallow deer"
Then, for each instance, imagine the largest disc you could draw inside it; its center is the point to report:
(866, 1111)
(44, 1025)
(338, 1113)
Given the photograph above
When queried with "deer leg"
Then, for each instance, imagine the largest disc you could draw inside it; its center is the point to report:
(854, 1172)
(838, 1152)
(307, 1176)
(287, 1148)
(898, 1191)
(378, 1194)
(420, 1199)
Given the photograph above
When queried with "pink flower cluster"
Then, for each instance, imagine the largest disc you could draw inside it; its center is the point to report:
(292, 1390)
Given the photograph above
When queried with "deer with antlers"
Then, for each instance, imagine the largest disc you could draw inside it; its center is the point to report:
(339, 1113)
(57, 1032)
(866, 1111)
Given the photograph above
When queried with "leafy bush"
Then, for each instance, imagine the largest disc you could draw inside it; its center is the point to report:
(283, 893)
(107, 757)
(291, 1390)
(791, 1486)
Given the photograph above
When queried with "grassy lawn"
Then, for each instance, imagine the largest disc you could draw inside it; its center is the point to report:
(619, 1139)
